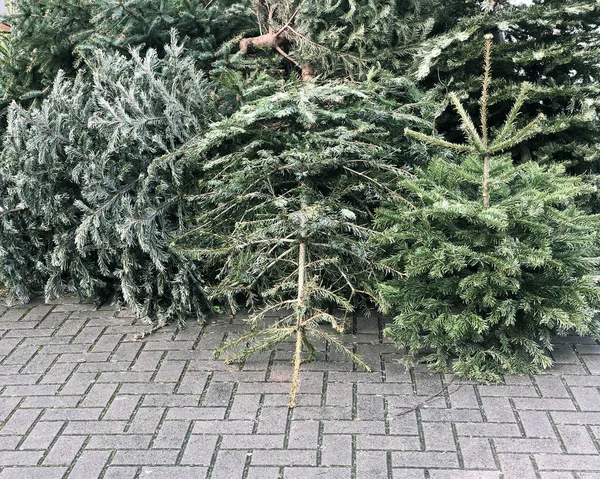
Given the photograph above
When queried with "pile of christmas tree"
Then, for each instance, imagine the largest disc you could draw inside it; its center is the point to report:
(178, 155)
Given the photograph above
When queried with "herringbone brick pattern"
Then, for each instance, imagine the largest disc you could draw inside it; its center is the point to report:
(81, 398)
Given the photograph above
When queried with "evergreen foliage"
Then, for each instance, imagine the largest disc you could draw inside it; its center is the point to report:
(336, 38)
(82, 206)
(495, 258)
(551, 44)
(49, 36)
(286, 201)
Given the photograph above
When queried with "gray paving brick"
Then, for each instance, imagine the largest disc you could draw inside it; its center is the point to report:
(371, 464)
(527, 445)
(171, 434)
(141, 458)
(89, 464)
(64, 450)
(310, 472)
(438, 437)
(42, 435)
(99, 395)
(273, 420)
(517, 466)
(223, 427)
(273, 472)
(576, 439)
(336, 451)
(424, 459)
(339, 394)
(197, 413)
(9, 442)
(122, 407)
(253, 441)
(536, 424)
(19, 458)
(33, 473)
(199, 450)
(489, 429)
(146, 420)
(563, 462)
(283, 457)
(498, 409)
(95, 427)
(543, 404)
(119, 441)
(244, 406)
(551, 386)
(588, 399)
(177, 472)
(73, 414)
(121, 472)
(459, 474)
(20, 421)
(193, 383)
(229, 464)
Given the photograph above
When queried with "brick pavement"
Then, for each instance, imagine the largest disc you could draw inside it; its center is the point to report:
(80, 398)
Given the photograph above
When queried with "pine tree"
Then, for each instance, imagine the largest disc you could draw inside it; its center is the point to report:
(49, 36)
(83, 207)
(291, 180)
(551, 44)
(337, 38)
(495, 258)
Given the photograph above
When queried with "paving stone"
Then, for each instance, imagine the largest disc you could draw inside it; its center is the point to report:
(171, 434)
(285, 457)
(576, 439)
(517, 466)
(42, 435)
(20, 421)
(229, 464)
(563, 462)
(33, 473)
(253, 441)
(489, 429)
(199, 450)
(141, 458)
(134, 403)
(244, 406)
(336, 451)
(119, 441)
(303, 434)
(312, 472)
(458, 474)
(177, 472)
(438, 437)
(89, 464)
(527, 445)
(371, 464)
(123, 407)
(64, 450)
(424, 459)
(19, 458)
(588, 399)
(387, 443)
(536, 424)
(146, 420)
(121, 472)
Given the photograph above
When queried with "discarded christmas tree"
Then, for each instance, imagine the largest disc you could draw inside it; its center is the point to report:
(284, 212)
(495, 258)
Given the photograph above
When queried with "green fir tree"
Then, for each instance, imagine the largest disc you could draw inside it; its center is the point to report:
(83, 207)
(552, 44)
(291, 182)
(494, 258)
